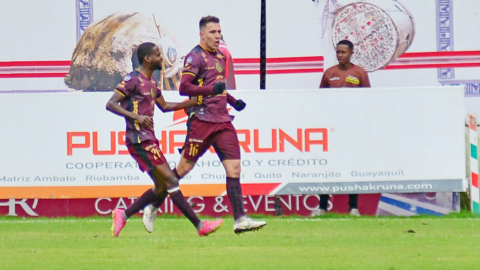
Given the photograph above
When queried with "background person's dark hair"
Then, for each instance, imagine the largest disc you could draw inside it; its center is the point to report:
(208, 19)
(145, 49)
(346, 42)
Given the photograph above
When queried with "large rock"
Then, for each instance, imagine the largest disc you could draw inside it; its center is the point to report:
(103, 54)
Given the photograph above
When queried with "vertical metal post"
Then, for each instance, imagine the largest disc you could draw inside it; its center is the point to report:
(263, 45)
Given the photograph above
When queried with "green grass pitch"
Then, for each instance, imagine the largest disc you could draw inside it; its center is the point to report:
(328, 242)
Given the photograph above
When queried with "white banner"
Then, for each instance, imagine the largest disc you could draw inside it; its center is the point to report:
(438, 47)
(293, 141)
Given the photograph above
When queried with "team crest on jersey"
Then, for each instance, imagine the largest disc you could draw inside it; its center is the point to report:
(152, 92)
(218, 66)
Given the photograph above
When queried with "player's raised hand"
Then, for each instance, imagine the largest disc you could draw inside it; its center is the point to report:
(145, 121)
(239, 105)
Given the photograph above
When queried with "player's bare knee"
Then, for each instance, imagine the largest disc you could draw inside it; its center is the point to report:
(171, 182)
(185, 166)
(233, 172)
(158, 189)
(232, 168)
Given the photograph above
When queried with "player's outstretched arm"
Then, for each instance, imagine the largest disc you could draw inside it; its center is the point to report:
(114, 107)
(230, 99)
(174, 106)
(187, 88)
(236, 104)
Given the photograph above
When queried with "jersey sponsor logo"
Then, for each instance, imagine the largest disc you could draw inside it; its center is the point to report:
(220, 56)
(334, 78)
(127, 78)
(207, 68)
(352, 79)
(189, 60)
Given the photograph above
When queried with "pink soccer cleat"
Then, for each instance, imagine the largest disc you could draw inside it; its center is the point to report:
(209, 227)
(118, 222)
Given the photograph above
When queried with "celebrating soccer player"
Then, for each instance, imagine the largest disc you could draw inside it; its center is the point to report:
(135, 98)
(209, 123)
(345, 74)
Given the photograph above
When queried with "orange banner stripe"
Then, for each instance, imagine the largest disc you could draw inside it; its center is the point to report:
(207, 190)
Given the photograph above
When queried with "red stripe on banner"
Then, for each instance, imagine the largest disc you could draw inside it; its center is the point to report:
(438, 54)
(440, 65)
(34, 63)
(246, 60)
(33, 75)
(259, 189)
(300, 70)
(206, 205)
(295, 59)
(474, 179)
(247, 72)
(303, 61)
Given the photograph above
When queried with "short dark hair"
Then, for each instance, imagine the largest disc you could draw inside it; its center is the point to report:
(208, 19)
(144, 50)
(346, 42)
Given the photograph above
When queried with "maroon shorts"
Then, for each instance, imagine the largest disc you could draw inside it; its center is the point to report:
(201, 135)
(147, 154)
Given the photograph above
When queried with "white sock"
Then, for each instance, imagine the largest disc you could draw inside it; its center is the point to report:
(240, 220)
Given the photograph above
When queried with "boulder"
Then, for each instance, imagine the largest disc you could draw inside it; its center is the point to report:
(103, 54)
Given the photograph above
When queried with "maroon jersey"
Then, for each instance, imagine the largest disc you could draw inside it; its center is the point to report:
(139, 95)
(208, 68)
(335, 77)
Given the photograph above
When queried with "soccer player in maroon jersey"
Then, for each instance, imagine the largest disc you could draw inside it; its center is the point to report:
(345, 74)
(209, 122)
(134, 99)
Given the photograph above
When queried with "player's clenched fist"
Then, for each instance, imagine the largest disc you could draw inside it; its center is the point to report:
(218, 88)
(239, 105)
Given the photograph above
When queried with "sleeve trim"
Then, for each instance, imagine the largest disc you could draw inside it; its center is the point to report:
(189, 73)
(118, 91)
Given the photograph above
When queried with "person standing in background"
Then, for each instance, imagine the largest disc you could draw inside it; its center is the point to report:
(345, 74)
